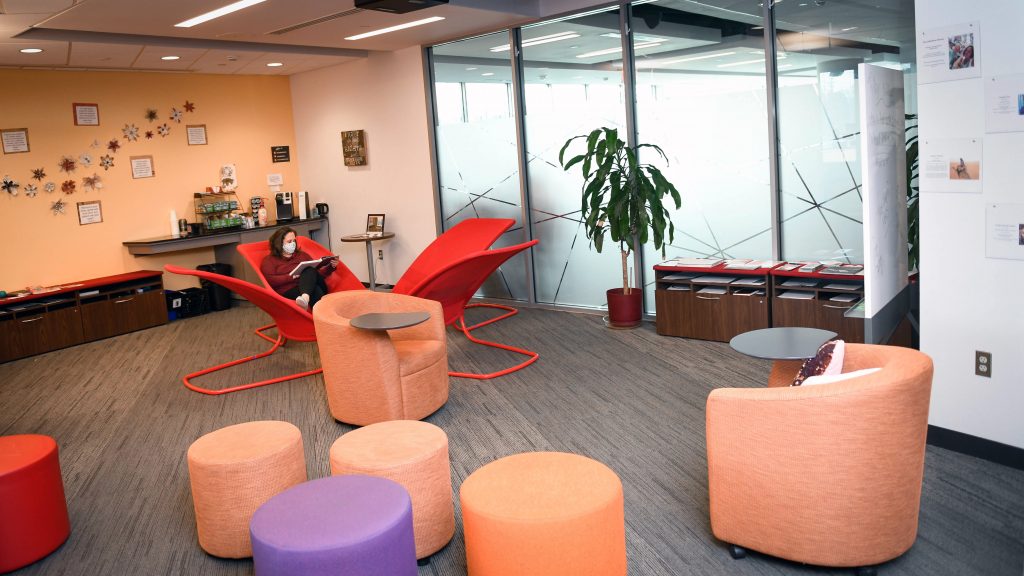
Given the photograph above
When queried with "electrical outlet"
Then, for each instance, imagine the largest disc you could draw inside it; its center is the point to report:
(380, 254)
(983, 363)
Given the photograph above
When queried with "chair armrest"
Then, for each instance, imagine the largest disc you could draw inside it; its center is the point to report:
(432, 329)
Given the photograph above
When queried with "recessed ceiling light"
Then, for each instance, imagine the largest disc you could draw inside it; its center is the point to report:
(395, 28)
(31, 50)
(169, 57)
(233, 7)
(274, 64)
(471, 68)
(850, 28)
(540, 40)
(488, 74)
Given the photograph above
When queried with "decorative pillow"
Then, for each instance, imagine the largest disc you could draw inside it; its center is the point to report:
(839, 377)
(828, 361)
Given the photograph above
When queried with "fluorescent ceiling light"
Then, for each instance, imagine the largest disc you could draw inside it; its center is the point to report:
(614, 50)
(848, 29)
(233, 7)
(395, 28)
(169, 57)
(488, 74)
(636, 37)
(274, 64)
(31, 50)
(702, 57)
(540, 40)
(758, 61)
(471, 68)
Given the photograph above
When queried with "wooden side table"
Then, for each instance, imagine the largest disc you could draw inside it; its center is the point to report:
(368, 239)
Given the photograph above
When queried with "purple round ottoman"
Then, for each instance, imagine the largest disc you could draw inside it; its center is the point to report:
(354, 525)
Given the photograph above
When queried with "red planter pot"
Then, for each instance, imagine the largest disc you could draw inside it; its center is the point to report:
(624, 310)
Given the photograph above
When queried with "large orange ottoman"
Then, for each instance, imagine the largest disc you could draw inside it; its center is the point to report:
(235, 470)
(544, 514)
(414, 454)
(33, 512)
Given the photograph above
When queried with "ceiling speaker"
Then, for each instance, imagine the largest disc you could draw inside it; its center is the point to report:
(398, 6)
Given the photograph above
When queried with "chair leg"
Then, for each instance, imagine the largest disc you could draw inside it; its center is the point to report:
(532, 355)
(261, 332)
(866, 571)
(737, 552)
(511, 312)
(277, 344)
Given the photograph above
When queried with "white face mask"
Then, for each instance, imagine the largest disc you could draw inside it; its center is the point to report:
(289, 247)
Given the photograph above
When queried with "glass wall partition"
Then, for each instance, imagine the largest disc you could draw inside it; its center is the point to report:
(701, 97)
(820, 47)
(477, 157)
(572, 73)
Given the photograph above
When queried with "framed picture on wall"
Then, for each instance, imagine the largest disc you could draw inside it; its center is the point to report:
(89, 212)
(353, 147)
(86, 114)
(15, 140)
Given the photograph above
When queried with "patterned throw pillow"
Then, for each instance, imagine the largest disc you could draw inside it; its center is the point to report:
(828, 361)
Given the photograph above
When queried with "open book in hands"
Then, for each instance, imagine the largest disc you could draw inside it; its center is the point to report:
(318, 263)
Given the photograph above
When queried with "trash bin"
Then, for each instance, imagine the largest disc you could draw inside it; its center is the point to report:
(218, 297)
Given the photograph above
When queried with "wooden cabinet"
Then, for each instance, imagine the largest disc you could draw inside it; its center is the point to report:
(818, 301)
(710, 304)
(80, 312)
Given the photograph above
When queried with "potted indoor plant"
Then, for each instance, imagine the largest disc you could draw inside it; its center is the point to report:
(623, 198)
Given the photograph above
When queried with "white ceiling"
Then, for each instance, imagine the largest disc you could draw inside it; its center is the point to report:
(135, 34)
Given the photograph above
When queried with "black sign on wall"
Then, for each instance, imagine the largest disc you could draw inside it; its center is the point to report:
(280, 154)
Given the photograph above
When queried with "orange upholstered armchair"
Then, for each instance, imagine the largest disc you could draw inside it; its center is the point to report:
(378, 375)
(828, 474)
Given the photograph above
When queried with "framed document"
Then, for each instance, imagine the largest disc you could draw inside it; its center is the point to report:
(374, 225)
(89, 212)
(15, 140)
(353, 148)
(86, 114)
(196, 134)
(142, 166)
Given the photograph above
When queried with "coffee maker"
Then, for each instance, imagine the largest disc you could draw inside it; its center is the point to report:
(285, 206)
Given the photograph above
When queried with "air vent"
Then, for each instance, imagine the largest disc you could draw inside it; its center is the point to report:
(320, 20)
(398, 6)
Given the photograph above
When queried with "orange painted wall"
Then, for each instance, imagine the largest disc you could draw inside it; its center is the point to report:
(244, 117)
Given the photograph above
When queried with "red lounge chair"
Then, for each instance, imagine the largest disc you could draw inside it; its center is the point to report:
(293, 323)
(341, 279)
(454, 284)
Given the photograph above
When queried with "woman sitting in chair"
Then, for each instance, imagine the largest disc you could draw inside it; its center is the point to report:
(308, 287)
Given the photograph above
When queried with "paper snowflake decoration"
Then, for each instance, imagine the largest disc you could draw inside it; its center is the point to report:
(9, 186)
(66, 164)
(176, 115)
(94, 183)
(189, 107)
(113, 145)
(131, 132)
(107, 161)
(164, 130)
(31, 190)
(38, 174)
(95, 144)
(151, 114)
(50, 187)
(58, 207)
(149, 134)
(68, 187)
(85, 159)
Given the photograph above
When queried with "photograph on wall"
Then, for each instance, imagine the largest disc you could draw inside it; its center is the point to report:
(353, 148)
(1004, 103)
(1004, 231)
(951, 165)
(949, 53)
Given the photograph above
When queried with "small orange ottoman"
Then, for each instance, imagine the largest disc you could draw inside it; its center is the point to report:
(414, 454)
(544, 514)
(235, 470)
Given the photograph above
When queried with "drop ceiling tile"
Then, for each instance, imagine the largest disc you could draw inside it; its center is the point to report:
(35, 6)
(150, 58)
(53, 54)
(103, 55)
(224, 61)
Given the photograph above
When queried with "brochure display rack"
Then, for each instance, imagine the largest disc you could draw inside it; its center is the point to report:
(817, 300)
(710, 303)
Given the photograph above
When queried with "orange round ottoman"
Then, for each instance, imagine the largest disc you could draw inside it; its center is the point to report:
(33, 512)
(544, 514)
(414, 454)
(233, 471)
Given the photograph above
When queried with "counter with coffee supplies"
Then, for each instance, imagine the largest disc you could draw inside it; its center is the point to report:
(225, 241)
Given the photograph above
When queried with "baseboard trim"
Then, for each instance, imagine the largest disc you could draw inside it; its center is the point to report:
(974, 446)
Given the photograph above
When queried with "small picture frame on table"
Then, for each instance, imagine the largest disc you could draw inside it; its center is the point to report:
(374, 225)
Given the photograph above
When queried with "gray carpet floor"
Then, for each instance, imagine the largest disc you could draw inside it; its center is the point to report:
(631, 399)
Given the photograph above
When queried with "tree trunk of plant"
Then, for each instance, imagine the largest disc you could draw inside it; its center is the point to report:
(625, 272)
